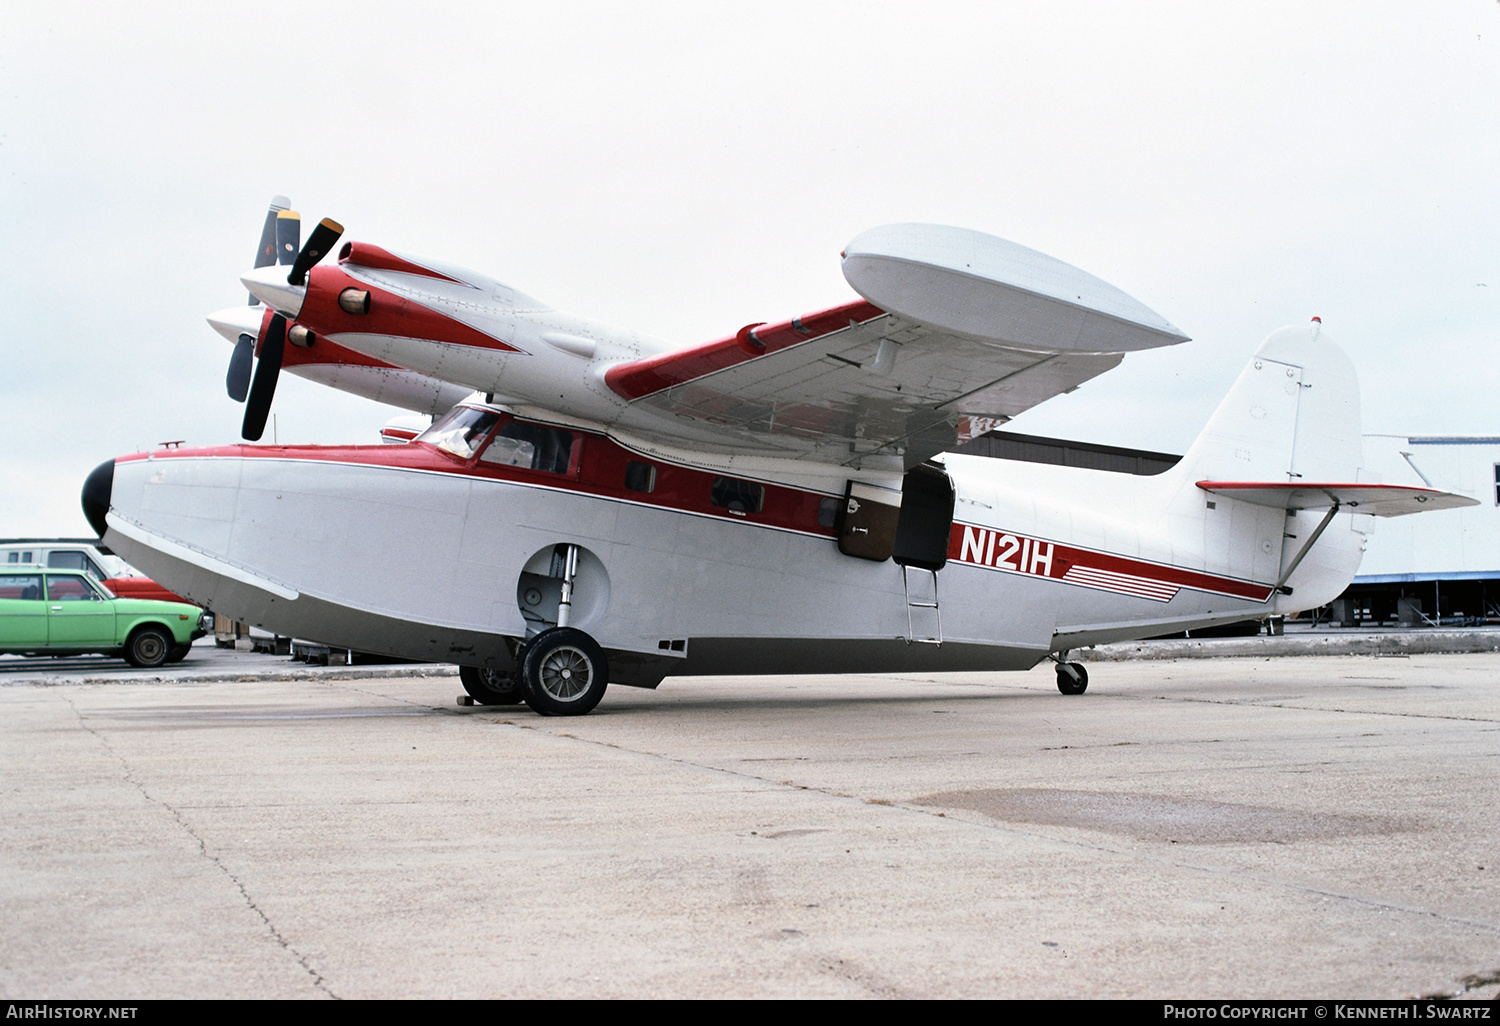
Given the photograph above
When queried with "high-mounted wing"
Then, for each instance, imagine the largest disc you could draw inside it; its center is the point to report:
(954, 323)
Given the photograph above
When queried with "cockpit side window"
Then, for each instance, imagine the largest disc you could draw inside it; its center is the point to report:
(533, 446)
(461, 432)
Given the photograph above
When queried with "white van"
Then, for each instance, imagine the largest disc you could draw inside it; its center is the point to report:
(84, 554)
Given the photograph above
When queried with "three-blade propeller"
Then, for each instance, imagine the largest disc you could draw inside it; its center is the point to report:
(278, 244)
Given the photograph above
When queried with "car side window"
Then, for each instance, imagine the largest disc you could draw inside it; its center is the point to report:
(24, 588)
(75, 561)
(70, 588)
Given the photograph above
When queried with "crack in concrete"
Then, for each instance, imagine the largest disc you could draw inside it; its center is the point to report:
(1325, 709)
(873, 983)
(317, 978)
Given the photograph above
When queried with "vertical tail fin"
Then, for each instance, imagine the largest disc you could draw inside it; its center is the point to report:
(1292, 413)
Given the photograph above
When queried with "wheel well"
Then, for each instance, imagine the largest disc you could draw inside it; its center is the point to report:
(150, 623)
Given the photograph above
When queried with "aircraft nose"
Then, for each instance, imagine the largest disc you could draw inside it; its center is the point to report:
(96, 493)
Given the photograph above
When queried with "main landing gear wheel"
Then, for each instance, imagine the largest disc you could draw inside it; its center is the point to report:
(490, 687)
(1072, 678)
(563, 672)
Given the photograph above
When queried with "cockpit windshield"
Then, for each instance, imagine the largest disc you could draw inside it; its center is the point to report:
(461, 431)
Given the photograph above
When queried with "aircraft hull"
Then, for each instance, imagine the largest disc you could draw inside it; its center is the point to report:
(407, 552)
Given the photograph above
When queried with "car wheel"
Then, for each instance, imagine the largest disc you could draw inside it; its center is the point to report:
(148, 648)
(563, 672)
(179, 653)
(490, 687)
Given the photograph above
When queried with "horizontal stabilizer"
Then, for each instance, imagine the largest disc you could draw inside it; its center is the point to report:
(1382, 500)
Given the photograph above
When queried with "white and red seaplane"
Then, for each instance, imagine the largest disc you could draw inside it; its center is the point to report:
(592, 505)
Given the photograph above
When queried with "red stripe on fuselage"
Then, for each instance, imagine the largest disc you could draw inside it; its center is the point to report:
(598, 469)
(1018, 553)
(640, 378)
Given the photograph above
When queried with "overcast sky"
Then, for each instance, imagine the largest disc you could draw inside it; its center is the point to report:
(683, 169)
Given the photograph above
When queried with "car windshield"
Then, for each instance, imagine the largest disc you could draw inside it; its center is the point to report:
(461, 431)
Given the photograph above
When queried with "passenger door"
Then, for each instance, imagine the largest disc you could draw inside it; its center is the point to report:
(78, 615)
(926, 520)
(23, 611)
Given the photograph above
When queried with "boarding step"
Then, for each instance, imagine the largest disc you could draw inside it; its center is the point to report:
(917, 607)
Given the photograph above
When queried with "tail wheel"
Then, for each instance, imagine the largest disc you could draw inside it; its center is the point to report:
(563, 672)
(1072, 678)
(490, 687)
(149, 648)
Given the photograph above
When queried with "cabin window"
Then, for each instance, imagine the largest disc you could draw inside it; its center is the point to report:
(1497, 484)
(640, 477)
(532, 446)
(461, 432)
(20, 557)
(737, 496)
(828, 511)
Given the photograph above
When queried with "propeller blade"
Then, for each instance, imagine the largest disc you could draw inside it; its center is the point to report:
(288, 236)
(263, 388)
(265, 255)
(238, 379)
(322, 239)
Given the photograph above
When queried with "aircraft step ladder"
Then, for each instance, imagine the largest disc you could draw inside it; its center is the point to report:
(937, 614)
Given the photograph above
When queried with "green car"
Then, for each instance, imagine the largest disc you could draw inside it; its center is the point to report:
(65, 612)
